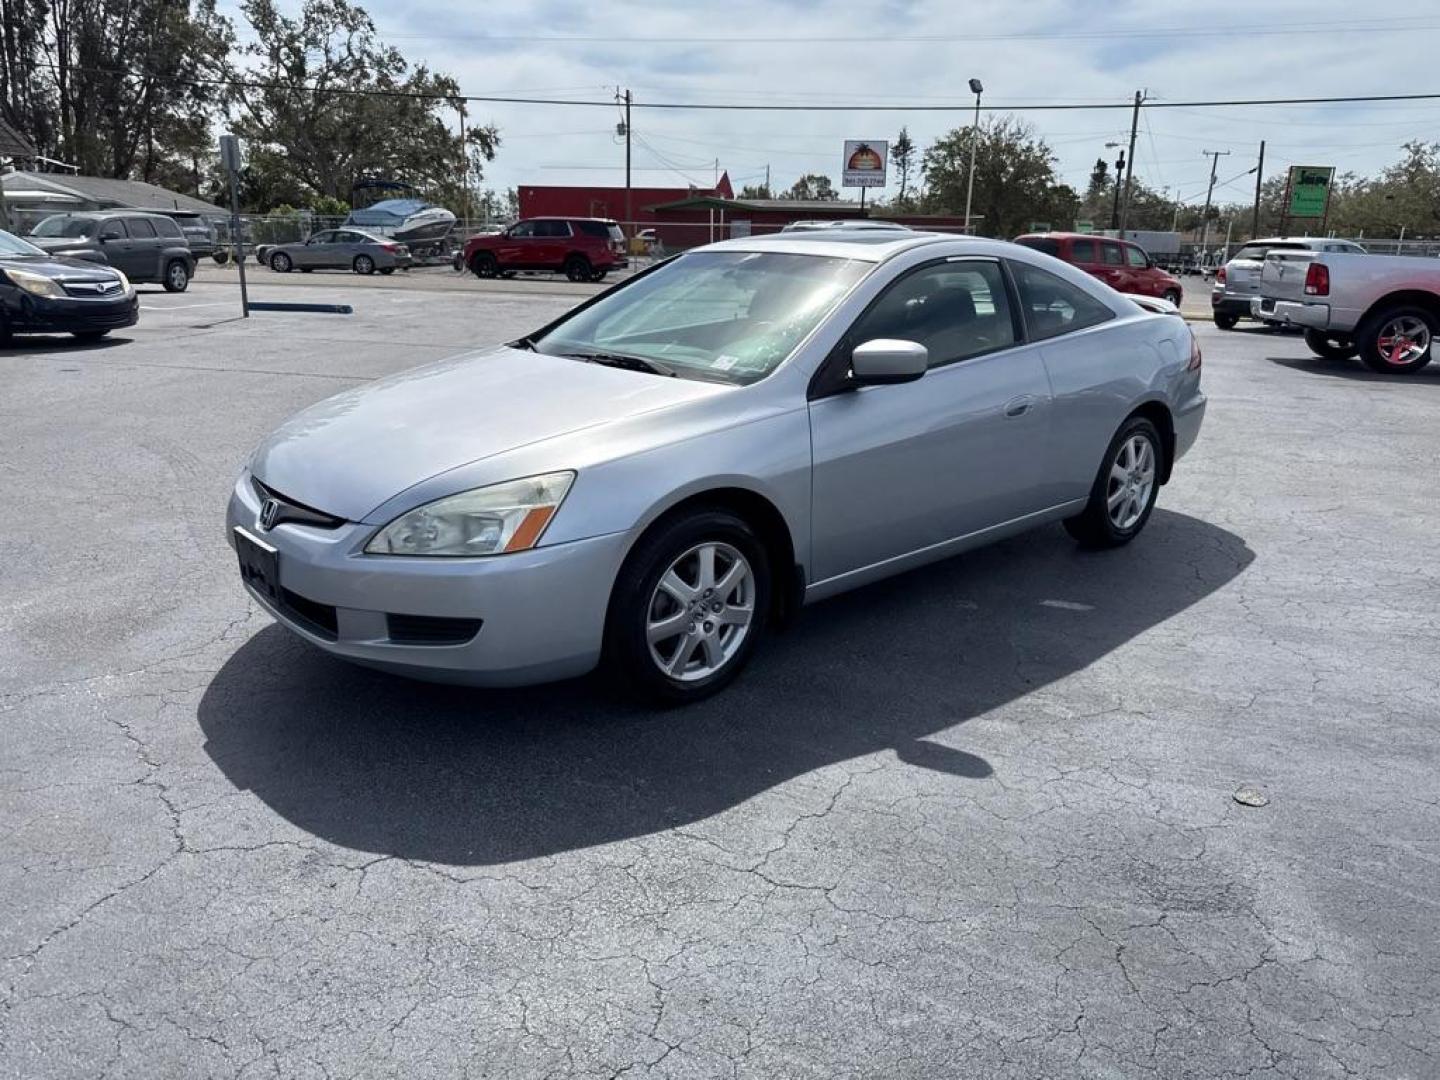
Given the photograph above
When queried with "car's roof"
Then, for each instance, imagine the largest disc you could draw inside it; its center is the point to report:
(566, 217)
(1298, 240)
(868, 245)
(1070, 236)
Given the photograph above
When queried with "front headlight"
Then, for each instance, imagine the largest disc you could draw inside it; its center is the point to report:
(492, 520)
(125, 282)
(36, 284)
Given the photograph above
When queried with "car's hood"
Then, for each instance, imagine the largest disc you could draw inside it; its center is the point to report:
(74, 246)
(59, 267)
(354, 451)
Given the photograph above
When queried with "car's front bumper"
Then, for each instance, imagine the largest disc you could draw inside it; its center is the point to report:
(541, 613)
(1291, 312)
(27, 314)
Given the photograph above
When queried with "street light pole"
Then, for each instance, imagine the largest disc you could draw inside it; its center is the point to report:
(977, 89)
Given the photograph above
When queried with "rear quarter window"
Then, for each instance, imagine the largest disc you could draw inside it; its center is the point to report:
(1041, 243)
(167, 227)
(594, 228)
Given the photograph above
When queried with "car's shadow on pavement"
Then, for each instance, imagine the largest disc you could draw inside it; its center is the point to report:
(59, 343)
(1356, 371)
(471, 777)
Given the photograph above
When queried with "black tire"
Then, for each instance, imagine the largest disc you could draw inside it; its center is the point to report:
(363, 265)
(1093, 527)
(387, 270)
(177, 276)
(307, 269)
(1173, 295)
(1330, 346)
(1225, 322)
(1372, 343)
(88, 335)
(598, 275)
(221, 257)
(507, 274)
(281, 263)
(484, 265)
(628, 657)
(578, 268)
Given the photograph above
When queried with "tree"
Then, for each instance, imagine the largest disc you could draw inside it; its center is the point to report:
(114, 87)
(755, 191)
(903, 155)
(813, 187)
(1015, 179)
(328, 104)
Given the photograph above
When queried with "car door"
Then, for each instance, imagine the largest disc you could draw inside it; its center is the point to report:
(1142, 278)
(114, 241)
(146, 245)
(1112, 268)
(1085, 254)
(905, 467)
(553, 243)
(515, 248)
(347, 245)
(314, 252)
(1089, 391)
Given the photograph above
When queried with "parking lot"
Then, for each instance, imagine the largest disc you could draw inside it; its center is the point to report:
(978, 820)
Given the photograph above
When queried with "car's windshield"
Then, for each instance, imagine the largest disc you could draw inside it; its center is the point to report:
(64, 225)
(13, 245)
(729, 315)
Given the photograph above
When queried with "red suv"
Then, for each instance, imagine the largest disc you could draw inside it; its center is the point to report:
(1120, 264)
(584, 249)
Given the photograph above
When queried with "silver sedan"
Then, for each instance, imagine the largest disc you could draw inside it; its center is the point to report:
(337, 249)
(662, 475)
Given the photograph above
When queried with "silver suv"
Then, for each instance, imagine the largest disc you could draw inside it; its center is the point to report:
(1238, 281)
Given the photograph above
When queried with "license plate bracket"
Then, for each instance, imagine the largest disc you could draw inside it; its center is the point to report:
(259, 564)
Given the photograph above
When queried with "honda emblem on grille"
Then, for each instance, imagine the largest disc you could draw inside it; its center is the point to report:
(269, 511)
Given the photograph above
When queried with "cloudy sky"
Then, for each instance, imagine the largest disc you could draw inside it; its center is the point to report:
(899, 53)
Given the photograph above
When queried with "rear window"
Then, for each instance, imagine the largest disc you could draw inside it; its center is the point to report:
(166, 227)
(1082, 251)
(552, 228)
(595, 228)
(140, 228)
(1040, 243)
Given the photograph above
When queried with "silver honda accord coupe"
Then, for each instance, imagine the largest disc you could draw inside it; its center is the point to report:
(669, 470)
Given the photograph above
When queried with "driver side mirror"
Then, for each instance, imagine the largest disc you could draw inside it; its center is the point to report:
(888, 360)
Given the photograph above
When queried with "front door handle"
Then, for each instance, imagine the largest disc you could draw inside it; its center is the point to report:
(1019, 406)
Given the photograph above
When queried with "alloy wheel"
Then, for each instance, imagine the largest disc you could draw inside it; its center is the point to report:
(700, 612)
(1132, 478)
(1403, 340)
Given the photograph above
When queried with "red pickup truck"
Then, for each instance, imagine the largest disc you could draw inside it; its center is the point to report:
(583, 249)
(1120, 264)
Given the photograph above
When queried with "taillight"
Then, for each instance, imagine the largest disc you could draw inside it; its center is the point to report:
(1194, 364)
(392, 248)
(1317, 280)
(1220, 276)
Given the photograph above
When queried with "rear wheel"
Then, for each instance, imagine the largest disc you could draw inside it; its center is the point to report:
(598, 275)
(688, 608)
(387, 270)
(577, 268)
(281, 263)
(484, 265)
(1124, 490)
(1224, 321)
(177, 277)
(1330, 346)
(363, 265)
(1397, 341)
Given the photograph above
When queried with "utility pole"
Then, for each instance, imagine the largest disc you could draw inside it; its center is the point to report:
(1259, 176)
(1115, 211)
(1215, 156)
(767, 182)
(1130, 165)
(977, 89)
(465, 162)
(626, 99)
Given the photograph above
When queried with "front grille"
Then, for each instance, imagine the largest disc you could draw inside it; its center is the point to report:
(94, 290)
(290, 510)
(430, 630)
(318, 618)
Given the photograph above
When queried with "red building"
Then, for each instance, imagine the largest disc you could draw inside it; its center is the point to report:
(609, 202)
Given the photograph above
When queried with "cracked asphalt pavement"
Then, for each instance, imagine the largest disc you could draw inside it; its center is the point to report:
(974, 821)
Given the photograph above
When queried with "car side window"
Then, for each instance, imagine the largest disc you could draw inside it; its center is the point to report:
(167, 227)
(1082, 251)
(552, 229)
(345, 236)
(1052, 305)
(595, 228)
(1110, 255)
(524, 229)
(140, 228)
(1136, 258)
(956, 309)
(113, 230)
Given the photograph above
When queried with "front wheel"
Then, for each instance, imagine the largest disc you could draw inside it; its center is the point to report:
(177, 277)
(1173, 295)
(688, 607)
(1397, 341)
(281, 263)
(1124, 490)
(1330, 346)
(363, 265)
(1225, 322)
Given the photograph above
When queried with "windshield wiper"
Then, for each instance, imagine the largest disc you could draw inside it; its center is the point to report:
(524, 343)
(626, 361)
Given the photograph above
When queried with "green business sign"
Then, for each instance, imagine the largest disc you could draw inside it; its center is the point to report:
(1086, 227)
(1309, 190)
